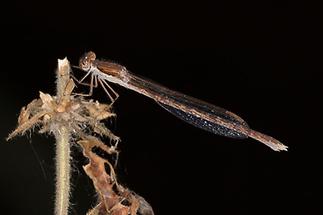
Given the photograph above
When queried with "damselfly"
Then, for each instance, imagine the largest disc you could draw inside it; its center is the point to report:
(191, 110)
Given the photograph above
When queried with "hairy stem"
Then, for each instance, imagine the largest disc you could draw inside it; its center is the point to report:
(62, 135)
(63, 170)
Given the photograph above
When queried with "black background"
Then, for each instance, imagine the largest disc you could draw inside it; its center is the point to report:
(255, 58)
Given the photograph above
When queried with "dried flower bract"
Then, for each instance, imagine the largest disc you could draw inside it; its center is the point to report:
(72, 118)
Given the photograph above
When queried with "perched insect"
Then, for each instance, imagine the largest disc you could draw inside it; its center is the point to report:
(193, 111)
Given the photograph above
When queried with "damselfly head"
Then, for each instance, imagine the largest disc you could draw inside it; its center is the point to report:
(86, 61)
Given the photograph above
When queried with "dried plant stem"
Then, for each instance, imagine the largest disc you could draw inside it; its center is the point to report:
(68, 117)
(63, 169)
(62, 135)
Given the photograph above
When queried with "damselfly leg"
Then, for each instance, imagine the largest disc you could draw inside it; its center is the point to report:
(103, 84)
(94, 80)
(93, 83)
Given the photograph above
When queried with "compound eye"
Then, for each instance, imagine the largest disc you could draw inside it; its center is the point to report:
(91, 56)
